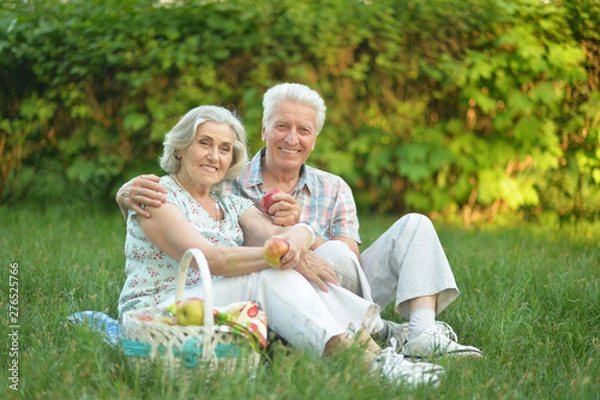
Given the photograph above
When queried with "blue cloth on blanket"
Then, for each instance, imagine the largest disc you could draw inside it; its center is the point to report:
(97, 321)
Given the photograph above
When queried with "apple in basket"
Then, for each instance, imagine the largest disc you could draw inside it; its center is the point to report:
(274, 249)
(267, 200)
(190, 312)
(165, 320)
(172, 308)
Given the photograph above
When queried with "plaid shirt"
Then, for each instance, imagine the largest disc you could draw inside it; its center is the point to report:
(326, 199)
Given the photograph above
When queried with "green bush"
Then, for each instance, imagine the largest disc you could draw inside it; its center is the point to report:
(447, 106)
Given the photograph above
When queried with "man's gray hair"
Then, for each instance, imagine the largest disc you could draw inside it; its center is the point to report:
(297, 93)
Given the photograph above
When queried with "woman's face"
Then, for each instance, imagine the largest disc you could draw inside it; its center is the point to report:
(290, 135)
(206, 161)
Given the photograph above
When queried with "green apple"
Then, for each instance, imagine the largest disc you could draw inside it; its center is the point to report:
(190, 312)
(267, 200)
(274, 249)
(172, 308)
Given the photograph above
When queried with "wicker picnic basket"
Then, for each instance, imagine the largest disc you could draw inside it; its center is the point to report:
(191, 347)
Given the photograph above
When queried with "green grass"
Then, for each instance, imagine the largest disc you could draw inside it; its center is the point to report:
(530, 299)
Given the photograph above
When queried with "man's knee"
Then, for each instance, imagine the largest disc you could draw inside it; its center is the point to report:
(411, 223)
(336, 251)
(344, 262)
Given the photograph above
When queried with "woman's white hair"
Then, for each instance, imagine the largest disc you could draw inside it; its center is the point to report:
(297, 93)
(183, 133)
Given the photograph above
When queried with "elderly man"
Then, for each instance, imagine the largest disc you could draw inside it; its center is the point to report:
(406, 264)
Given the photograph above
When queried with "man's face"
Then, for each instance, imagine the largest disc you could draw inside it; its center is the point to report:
(290, 135)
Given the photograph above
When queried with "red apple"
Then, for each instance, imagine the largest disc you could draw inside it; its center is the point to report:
(267, 200)
(274, 249)
(190, 312)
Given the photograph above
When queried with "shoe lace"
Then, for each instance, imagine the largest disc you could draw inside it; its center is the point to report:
(390, 361)
(447, 330)
(385, 355)
(393, 345)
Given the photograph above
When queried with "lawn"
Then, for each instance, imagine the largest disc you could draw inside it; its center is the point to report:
(530, 300)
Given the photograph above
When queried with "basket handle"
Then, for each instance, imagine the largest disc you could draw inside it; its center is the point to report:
(202, 264)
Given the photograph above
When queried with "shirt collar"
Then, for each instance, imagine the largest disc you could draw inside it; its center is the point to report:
(255, 177)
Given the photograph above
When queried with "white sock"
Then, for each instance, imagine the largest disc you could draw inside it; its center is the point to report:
(380, 327)
(420, 320)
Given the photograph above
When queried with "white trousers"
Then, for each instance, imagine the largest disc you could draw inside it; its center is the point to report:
(406, 262)
(297, 310)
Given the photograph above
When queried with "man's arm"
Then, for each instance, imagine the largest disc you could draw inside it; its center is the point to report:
(344, 219)
(139, 192)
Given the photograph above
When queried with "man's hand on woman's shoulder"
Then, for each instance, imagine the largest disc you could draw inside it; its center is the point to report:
(139, 192)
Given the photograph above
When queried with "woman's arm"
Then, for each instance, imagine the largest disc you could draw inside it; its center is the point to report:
(171, 232)
(257, 227)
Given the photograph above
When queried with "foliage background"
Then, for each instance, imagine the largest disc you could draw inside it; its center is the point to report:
(456, 108)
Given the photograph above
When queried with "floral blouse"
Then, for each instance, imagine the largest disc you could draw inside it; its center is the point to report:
(151, 274)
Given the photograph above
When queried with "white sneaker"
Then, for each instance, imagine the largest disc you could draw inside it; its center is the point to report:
(393, 366)
(400, 331)
(434, 342)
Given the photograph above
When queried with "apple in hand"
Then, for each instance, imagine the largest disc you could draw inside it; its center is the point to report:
(274, 249)
(267, 200)
(190, 312)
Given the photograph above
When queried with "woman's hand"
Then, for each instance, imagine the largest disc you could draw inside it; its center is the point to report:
(257, 229)
(317, 270)
(142, 191)
(294, 255)
(299, 237)
(311, 266)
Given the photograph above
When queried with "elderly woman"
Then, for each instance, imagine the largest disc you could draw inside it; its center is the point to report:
(206, 146)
